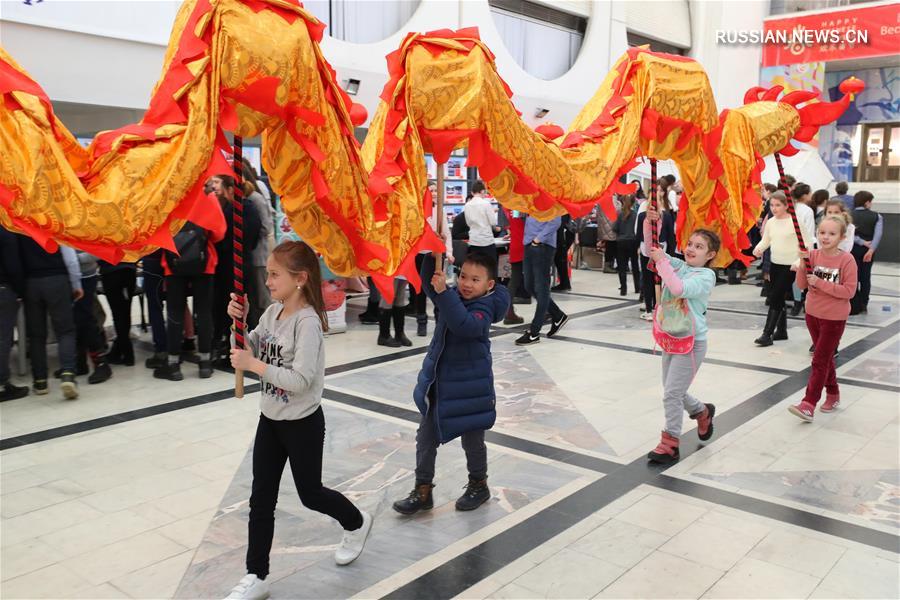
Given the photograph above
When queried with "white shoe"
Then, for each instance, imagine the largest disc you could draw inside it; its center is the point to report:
(352, 543)
(647, 316)
(250, 587)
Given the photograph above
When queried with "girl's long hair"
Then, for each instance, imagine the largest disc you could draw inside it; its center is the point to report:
(627, 204)
(298, 257)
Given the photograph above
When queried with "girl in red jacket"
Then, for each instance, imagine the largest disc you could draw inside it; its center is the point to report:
(831, 285)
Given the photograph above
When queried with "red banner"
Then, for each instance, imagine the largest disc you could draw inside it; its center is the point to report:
(835, 35)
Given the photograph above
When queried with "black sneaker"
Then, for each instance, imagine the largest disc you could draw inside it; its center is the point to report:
(40, 387)
(557, 325)
(527, 339)
(419, 499)
(101, 373)
(422, 328)
(476, 494)
(9, 391)
(206, 369)
(68, 385)
(172, 372)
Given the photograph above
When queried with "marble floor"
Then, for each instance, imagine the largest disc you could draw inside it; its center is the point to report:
(140, 488)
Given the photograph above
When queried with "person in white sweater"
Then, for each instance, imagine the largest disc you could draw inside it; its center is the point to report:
(837, 208)
(779, 236)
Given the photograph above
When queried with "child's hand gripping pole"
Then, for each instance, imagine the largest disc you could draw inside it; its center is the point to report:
(238, 307)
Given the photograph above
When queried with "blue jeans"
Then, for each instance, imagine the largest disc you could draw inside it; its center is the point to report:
(537, 282)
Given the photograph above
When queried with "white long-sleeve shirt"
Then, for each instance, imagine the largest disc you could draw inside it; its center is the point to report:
(481, 219)
(807, 219)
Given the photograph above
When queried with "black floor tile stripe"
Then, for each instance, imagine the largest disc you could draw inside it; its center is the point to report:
(501, 439)
(467, 569)
(116, 419)
(779, 512)
(82, 426)
(736, 311)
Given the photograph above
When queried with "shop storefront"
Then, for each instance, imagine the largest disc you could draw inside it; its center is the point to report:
(864, 144)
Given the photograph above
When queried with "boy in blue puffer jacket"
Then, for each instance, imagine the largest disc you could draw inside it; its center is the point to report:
(455, 389)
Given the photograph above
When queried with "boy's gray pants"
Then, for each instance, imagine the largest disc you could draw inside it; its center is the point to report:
(678, 372)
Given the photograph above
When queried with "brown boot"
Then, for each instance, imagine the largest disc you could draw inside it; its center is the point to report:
(705, 422)
(419, 499)
(666, 452)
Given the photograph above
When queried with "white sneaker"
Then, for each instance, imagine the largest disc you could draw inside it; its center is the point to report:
(250, 587)
(352, 543)
(647, 316)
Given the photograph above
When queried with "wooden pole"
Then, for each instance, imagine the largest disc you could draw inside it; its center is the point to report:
(238, 253)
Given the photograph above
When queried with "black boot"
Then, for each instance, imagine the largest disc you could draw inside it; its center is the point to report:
(205, 368)
(384, 330)
(795, 309)
(102, 372)
(370, 315)
(771, 320)
(781, 327)
(476, 494)
(399, 316)
(421, 325)
(170, 371)
(122, 353)
(419, 499)
(156, 361)
(734, 278)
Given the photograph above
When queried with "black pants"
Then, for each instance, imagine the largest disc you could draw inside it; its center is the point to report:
(781, 280)
(49, 295)
(648, 284)
(418, 298)
(488, 250)
(222, 286)
(88, 335)
(118, 286)
(564, 240)
(301, 441)
(427, 444)
(516, 280)
(176, 301)
(537, 282)
(864, 273)
(153, 289)
(9, 310)
(626, 253)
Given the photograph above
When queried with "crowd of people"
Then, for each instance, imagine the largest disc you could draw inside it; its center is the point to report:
(828, 276)
(63, 286)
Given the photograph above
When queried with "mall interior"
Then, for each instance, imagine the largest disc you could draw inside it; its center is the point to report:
(124, 481)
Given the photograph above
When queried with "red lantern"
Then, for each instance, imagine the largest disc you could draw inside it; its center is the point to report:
(852, 86)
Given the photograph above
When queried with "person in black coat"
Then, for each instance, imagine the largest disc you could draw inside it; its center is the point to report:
(12, 289)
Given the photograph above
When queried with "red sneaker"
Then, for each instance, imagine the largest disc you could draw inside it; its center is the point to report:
(705, 422)
(804, 410)
(832, 401)
(666, 452)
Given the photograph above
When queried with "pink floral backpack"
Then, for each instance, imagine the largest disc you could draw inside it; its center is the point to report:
(673, 325)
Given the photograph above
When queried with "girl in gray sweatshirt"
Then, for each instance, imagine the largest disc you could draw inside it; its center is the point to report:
(286, 350)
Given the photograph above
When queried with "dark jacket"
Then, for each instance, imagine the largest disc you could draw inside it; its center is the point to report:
(224, 250)
(12, 273)
(624, 226)
(666, 235)
(458, 363)
(39, 263)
